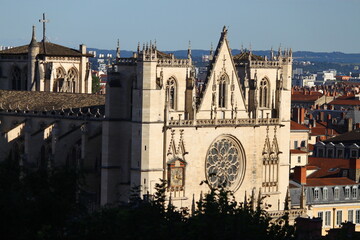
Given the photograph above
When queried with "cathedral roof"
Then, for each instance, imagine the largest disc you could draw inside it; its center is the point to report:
(40, 101)
(245, 56)
(163, 55)
(52, 49)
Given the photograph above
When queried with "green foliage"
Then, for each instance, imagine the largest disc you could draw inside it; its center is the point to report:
(95, 84)
(36, 204)
(43, 205)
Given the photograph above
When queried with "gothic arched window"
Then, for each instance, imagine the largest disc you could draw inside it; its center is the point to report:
(222, 91)
(72, 80)
(264, 93)
(16, 79)
(59, 80)
(171, 88)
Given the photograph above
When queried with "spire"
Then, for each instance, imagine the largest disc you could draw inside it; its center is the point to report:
(224, 31)
(118, 50)
(193, 206)
(189, 50)
(33, 42)
(138, 48)
(211, 50)
(245, 200)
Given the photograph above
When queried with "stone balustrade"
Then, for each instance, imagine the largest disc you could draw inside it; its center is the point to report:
(224, 122)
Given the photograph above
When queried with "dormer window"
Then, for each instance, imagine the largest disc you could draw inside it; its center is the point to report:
(336, 193)
(354, 192)
(325, 193)
(347, 192)
(316, 194)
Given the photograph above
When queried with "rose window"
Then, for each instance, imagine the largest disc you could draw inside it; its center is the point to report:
(225, 162)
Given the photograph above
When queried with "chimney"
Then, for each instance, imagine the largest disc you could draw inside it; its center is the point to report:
(300, 174)
(354, 171)
(302, 116)
(350, 124)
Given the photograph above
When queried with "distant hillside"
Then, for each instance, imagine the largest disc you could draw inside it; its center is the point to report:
(327, 57)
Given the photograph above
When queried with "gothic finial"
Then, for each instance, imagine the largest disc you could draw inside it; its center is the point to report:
(33, 38)
(193, 205)
(189, 50)
(138, 47)
(118, 49)
(211, 49)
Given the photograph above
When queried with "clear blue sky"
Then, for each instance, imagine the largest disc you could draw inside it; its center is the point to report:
(314, 25)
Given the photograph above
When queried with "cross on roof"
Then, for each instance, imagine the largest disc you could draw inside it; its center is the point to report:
(44, 21)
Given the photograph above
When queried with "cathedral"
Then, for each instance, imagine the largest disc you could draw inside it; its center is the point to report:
(155, 122)
(232, 133)
(45, 66)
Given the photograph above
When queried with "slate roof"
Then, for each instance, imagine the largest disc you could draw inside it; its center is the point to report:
(348, 137)
(52, 49)
(31, 100)
(245, 56)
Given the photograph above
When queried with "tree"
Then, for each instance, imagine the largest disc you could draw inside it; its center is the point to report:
(95, 84)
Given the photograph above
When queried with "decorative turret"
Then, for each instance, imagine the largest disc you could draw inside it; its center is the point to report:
(118, 50)
(34, 49)
(33, 42)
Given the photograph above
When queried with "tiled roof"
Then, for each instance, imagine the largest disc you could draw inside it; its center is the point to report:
(52, 49)
(311, 147)
(297, 151)
(329, 181)
(321, 129)
(31, 100)
(353, 136)
(302, 97)
(327, 166)
(345, 102)
(296, 126)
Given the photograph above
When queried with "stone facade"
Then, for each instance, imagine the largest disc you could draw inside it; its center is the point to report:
(233, 133)
(45, 66)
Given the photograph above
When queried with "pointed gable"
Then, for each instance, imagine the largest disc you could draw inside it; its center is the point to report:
(222, 70)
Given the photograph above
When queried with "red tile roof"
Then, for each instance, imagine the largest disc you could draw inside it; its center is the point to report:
(327, 166)
(297, 151)
(329, 181)
(345, 102)
(296, 126)
(305, 98)
(311, 147)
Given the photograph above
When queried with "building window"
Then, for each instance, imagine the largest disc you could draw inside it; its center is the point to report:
(264, 93)
(222, 91)
(354, 192)
(295, 144)
(338, 217)
(330, 153)
(171, 88)
(357, 217)
(320, 153)
(350, 216)
(347, 192)
(327, 218)
(299, 159)
(303, 144)
(340, 153)
(316, 194)
(336, 193)
(325, 193)
(320, 215)
(353, 153)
